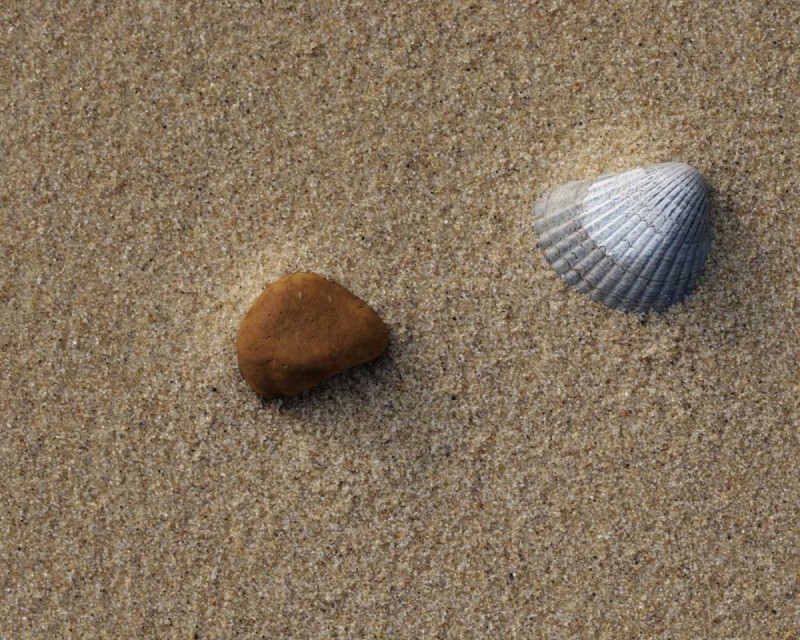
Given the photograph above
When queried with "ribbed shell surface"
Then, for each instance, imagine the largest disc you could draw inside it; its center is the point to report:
(634, 241)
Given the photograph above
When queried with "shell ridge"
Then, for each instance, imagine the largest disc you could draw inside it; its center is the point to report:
(665, 206)
(593, 258)
(562, 196)
(614, 210)
(665, 272)
(625, 285)
(636, 197)
(690, 271)
(660, 207)
(622, 288)
(690, 223)
(553, 237)
(592, 272)
(656, 234)
(556, 207)
(621, 282)
(670, 274)
(677, 219)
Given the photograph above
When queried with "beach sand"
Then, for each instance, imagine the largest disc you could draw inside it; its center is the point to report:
(523, 463)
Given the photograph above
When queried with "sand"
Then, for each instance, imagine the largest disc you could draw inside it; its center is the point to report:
(523, 463)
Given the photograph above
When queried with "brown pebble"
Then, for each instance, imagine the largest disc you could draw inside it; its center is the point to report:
(304, 329)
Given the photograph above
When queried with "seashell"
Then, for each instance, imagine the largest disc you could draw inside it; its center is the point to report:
(635, 241)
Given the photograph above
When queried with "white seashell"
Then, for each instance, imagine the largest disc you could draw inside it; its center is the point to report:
(636, 240)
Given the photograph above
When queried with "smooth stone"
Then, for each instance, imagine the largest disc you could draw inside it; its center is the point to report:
(302, 330)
